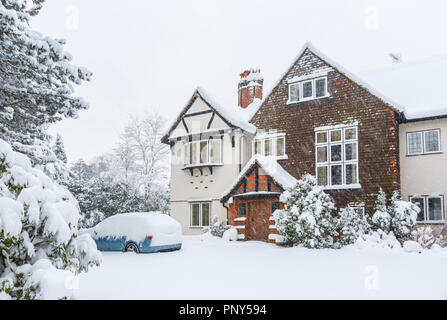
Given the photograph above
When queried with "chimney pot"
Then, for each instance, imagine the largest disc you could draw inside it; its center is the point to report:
(250, 87)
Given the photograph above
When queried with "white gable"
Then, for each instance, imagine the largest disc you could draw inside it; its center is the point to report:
(197, 119)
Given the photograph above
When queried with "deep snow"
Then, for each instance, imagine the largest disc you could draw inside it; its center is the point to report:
(214, 269)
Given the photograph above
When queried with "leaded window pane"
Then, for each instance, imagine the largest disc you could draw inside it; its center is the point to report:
(351, 173)
(414, 140)
(431, 140)
(205, 214)
(419, 201)
(195, 219)
(351, 151)
(435, 209)
(336, 175)
(320, 87)
(322, 173)
(322, 154)
(307, 89)
(336, 152)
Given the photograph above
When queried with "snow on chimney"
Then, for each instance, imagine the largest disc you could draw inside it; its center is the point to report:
(250, 87)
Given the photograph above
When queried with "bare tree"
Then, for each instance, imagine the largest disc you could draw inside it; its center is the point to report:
(141, 137)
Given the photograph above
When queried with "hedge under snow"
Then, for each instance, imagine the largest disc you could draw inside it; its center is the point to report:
(39, 242)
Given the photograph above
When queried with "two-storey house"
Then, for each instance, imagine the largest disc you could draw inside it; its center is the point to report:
(320, 119)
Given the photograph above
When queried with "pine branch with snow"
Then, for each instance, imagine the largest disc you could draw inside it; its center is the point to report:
(37, 82)
(39, 239)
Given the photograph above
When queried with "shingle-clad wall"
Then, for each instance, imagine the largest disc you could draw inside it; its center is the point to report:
(348, 102)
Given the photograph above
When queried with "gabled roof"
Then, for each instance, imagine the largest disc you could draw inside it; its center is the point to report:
(270, 166)
(339, 68)
(234, 116)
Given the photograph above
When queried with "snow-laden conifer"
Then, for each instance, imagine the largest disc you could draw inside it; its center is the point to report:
(39, 241)
(307, 218)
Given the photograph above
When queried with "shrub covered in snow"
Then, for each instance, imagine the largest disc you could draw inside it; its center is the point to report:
(307, 215)
(218, 227)
(427, 237)
(378, 239)
(351, 225)
(38, 231)
(398, 218)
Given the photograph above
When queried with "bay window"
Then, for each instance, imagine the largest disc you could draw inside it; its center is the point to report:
(336, 157)
(203, 152)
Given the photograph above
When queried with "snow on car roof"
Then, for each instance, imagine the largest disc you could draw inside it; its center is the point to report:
(136, 225)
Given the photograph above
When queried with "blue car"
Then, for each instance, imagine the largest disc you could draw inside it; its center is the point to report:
(139, 232)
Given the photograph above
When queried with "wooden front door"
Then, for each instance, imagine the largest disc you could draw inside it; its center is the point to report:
(258, 220)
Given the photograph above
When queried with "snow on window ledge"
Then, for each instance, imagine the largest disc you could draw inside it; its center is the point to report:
(240, 219)
(341, 187)
(431, 222)
(306, 100)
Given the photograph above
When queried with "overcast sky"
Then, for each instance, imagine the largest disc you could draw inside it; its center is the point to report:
(150, 55)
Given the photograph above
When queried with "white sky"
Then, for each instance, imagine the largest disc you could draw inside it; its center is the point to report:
(152, 54)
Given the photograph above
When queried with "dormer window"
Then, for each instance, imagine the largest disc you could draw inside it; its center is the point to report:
(308, 90)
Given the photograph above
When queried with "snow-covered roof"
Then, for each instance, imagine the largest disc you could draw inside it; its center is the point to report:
(419, 86)
(233, 114)
(270, 166)
(342, 70)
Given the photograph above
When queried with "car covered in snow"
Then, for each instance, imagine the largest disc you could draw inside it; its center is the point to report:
(139, 232)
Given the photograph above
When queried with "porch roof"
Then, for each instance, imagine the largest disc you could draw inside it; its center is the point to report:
(270, 166)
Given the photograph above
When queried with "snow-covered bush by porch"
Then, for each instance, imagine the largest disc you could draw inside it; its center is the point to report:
(307, 215)
(218, 227)
(38, 231)
(351, 226)
(398, 218)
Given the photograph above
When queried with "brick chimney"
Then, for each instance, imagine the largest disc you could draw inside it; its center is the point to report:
(249, 87)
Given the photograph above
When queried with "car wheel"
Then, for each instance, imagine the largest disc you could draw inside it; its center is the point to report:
(131, 247)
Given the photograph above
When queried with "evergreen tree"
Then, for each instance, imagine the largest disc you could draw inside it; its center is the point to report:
(38, 229)
(381, 218)
(36, 85)
(403, 217)
(59, 149)
(307, 216)
(352, 225)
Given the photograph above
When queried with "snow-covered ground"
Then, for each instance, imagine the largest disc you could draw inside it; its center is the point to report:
(214, 269)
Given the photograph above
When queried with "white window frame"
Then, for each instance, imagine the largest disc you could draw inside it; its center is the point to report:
(274, 137)
(422, 133)
(299, 92)
(425, 205)
(314, 90)
(343, 162)
(200, 214)
(198, 142)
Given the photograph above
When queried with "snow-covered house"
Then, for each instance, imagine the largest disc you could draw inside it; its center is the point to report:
(233, 161)
(210, 143)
